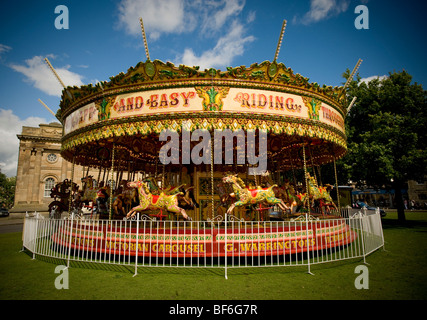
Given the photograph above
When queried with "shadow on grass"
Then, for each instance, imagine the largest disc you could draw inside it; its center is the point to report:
(187, 270)
(412, 224)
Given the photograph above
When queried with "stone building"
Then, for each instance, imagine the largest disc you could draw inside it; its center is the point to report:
(417, 193)
(40, 167)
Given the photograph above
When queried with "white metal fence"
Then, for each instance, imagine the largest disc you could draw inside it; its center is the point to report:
(205, 244)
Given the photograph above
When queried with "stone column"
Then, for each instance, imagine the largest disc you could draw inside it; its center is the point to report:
(22, 175)
(37, 183)
(30, 175)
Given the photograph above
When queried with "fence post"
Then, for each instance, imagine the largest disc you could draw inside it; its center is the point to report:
(24, 241)
(225, 246)
(308, 246)
(35, 236)
(378, 218)
(71, 236)
(362, 216)
(136, 244)
(382, 231)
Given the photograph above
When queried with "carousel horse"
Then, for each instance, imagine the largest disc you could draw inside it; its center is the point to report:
(123, 198)
(130, 197)
(289, 195)
(316, 193)
(327, 201)
(98, 196)
(286, 192)
(226, 198)
(118, 204)
(186, 200)
(247, 196)
(226, 195)
(320, 194)
(148, 201)
(89, 193)
(156, 190)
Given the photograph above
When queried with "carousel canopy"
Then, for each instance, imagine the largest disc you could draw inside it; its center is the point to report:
(131, 110)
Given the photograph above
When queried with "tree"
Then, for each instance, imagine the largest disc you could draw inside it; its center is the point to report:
(386, 132)
(7, 190)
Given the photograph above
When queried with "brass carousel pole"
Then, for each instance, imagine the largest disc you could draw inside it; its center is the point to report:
(312, 166)
(111, 183)
(292, 167)
(99, 177)
(128, 178)
(305, 178)
(57, 77)
(307, 215)
(319, 173)
(279, 43)
(71, 189)
(48, 109)
(70, 216)
(212, 182)
(144, 38)
(351, 105)
(163, 174)
(336, 186)
(350, 78)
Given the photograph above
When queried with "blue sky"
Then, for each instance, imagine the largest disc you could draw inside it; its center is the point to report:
(104, 39)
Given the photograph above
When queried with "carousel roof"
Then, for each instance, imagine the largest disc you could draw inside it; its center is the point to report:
(133, 108)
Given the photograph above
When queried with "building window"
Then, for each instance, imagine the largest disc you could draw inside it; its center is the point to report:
(49, 183)
(52, 157)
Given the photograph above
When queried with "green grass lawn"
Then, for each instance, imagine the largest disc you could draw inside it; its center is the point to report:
(396, 273)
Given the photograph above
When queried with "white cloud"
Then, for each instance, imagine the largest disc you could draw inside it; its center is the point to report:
(227, 47)
(216, 14)
(165, 16)
(208, 18)
(10, 126)
(251, 17)
(37, 72)
(178, 16)
(367, 79)
(4, 48)
(323, 9)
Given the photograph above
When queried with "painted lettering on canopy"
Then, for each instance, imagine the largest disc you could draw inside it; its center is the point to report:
(153, 101)
(263, 101)
(332, 117)
(81, 117)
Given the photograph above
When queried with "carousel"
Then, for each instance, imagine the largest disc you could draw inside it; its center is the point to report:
(189, 146)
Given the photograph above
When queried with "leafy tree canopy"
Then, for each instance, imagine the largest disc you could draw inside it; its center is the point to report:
(386, 131)
(7, 190)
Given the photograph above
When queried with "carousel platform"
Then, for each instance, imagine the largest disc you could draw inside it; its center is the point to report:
(172, 239)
